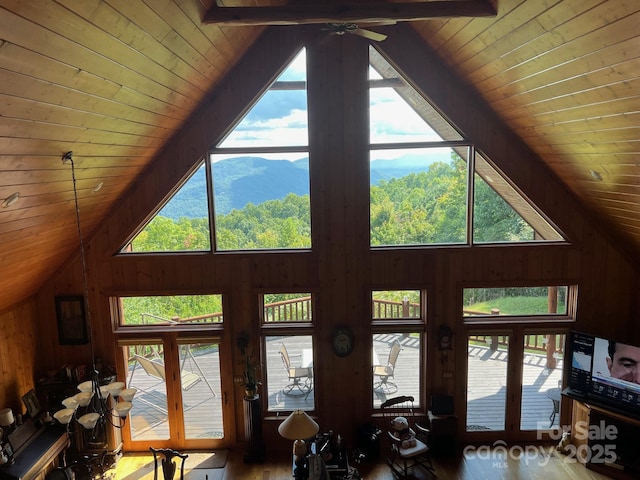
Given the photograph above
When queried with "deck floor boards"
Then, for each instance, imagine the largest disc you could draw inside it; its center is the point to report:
(485, 392)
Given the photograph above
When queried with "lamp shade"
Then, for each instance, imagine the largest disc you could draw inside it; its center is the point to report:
(6, 417)
(70, 402)
(122, 409)
(298, 425)
(114, 388)
(89, 420)
(64, 416)
(83, 398)
(127, 394)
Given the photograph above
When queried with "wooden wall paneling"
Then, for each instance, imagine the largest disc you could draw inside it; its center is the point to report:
(556, 35)
(356, 196)
(338, 149)
(326, 139)
(18, 353)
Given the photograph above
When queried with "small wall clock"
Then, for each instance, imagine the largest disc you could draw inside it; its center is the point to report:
(342, 341)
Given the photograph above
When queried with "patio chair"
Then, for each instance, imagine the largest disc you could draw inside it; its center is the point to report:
(554, 394)
(155, 368)
(403, 458)
(300, 378)
(385, 372)
(166, 459)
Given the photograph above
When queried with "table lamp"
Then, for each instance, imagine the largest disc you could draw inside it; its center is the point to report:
(297, 427)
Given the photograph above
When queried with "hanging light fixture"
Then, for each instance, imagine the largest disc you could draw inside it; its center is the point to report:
(91, 406)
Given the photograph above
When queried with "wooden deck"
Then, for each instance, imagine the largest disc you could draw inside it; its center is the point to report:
(202, 399)
(486, 389)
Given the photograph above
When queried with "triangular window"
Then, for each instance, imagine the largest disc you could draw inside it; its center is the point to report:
(182, 224)
(260, 182)
(260, 171)
(419, 170)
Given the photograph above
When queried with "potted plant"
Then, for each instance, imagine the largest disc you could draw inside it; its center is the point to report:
(251, 374)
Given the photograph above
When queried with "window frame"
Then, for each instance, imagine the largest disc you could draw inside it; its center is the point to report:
(403, 325)
(534, 319)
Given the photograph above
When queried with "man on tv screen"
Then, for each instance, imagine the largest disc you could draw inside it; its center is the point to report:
(623, 361)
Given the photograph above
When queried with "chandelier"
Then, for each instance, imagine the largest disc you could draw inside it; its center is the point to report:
(94, 406)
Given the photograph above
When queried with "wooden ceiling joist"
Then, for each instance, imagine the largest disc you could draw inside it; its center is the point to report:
(340, 13)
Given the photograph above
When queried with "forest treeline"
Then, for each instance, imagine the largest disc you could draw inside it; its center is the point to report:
(429, 207)
(418, 209)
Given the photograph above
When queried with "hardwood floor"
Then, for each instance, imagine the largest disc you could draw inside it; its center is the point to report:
(278, 467)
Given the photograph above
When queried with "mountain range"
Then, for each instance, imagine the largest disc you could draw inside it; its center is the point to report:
(242, 180)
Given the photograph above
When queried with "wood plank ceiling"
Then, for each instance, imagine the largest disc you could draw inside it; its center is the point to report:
(113, 80)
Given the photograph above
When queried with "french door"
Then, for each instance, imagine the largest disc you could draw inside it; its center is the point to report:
(513, 383)
(179, 401)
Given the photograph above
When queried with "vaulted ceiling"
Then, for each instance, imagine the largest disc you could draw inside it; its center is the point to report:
(114, 80)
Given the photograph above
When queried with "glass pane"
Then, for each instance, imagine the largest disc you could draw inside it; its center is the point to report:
(181, 225)
(289, 372)
(418, 196)
(396, 366)
(502, 214)
(171, 309)
(279, 118)
(397, 112)
(287, 307)
(261, 201)
(486, 382)
(395, 304)
(201, 398)
(541, 381)
(515, 301)
(392, 119)
(494, 220)
(148, 418)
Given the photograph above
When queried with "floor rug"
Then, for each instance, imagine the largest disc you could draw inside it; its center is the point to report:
(217, 459)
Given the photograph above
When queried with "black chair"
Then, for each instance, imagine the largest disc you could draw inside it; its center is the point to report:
(402, 458)
(166, 460)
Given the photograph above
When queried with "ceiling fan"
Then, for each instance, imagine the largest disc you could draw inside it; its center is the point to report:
(347, 14)
(342, 28)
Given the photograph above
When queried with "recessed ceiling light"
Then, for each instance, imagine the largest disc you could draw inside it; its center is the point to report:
(10, 200)
(595, 175)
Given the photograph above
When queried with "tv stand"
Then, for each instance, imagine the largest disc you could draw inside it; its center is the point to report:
(604, 440)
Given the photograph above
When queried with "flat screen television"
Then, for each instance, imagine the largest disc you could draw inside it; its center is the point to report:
(604, 371)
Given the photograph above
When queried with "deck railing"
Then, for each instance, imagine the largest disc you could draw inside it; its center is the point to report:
(299, 310)
(531, 342)
(293, 310)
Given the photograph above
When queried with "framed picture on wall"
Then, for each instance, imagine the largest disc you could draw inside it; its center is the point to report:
(72, 322)
(30, 400)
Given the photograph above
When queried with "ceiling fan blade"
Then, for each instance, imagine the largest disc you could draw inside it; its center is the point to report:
(375, 36)
(381, 23)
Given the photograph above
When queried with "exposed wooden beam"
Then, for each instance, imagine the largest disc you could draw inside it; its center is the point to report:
(340, 13)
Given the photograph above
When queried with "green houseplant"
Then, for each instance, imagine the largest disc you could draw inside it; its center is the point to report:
(251, 374)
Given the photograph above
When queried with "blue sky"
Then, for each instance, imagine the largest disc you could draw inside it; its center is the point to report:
(280, 119)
